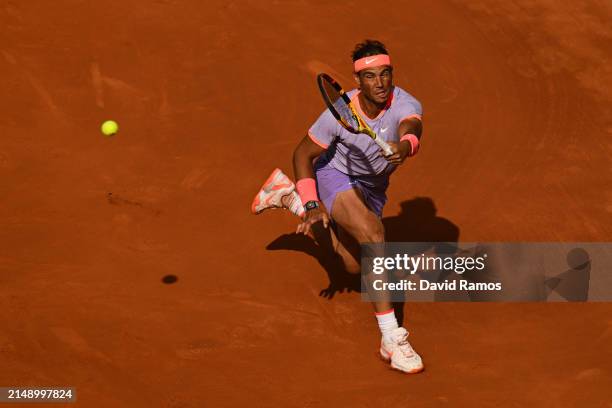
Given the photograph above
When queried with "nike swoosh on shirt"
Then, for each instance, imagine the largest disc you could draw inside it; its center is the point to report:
(383, 130)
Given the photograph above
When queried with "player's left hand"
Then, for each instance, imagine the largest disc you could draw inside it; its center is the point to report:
(400, 152)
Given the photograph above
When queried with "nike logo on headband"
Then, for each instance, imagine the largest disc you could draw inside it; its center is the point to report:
(370, 60)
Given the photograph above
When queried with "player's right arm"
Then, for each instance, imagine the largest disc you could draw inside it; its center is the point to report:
(303, 156)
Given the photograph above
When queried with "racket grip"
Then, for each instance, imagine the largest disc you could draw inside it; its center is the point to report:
(384, 146)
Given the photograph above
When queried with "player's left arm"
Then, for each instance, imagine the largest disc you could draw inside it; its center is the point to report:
(409, 132)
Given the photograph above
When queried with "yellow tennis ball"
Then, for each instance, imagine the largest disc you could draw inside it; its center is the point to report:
(110, 127)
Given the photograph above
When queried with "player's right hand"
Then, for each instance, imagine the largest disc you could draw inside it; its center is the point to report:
(312, 217)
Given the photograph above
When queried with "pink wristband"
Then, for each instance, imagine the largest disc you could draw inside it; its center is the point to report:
(307, 190)
(414, 143)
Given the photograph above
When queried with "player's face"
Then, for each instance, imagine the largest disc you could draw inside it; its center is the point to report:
(376, 83)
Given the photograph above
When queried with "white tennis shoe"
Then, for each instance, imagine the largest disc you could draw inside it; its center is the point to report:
(400, 353)
(278, 192)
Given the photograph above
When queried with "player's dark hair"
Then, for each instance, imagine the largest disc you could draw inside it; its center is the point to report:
(367, 48)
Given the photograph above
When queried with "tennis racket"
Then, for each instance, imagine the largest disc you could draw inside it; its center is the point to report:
(340, 105)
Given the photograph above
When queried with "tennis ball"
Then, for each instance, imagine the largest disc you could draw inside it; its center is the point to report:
(110, 127)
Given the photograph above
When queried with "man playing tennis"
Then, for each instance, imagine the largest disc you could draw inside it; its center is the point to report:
(346, 185)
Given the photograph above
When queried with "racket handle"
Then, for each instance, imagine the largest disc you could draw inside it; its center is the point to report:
(384, 146)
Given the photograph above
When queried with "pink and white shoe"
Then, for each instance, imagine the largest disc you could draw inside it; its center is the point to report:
(278, 192)
(400, 353)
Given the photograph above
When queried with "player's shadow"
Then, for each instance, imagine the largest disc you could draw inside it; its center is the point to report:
(572, 284)
(339, 279)
(416, 222)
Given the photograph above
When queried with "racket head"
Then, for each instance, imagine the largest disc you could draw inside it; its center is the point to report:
(338, 103)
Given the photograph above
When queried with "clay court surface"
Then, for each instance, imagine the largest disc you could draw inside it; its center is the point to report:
(210, 97)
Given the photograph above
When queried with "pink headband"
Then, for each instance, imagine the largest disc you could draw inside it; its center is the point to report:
(372, 61)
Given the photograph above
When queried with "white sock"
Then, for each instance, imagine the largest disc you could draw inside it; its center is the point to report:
(293, 203)
(387, 323)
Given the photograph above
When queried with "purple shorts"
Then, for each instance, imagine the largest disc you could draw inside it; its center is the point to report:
(330, 182)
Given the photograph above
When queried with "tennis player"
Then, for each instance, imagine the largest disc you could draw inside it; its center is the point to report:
(342, 179)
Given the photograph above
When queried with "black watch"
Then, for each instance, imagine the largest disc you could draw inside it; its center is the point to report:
(311, 205)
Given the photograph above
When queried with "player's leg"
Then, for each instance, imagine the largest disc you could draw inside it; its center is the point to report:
(278, 191)
(356, 223)
(356, 218)
(335, 240)
(352, 214)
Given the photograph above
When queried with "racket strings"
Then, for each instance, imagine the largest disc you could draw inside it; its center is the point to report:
(335, 98)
